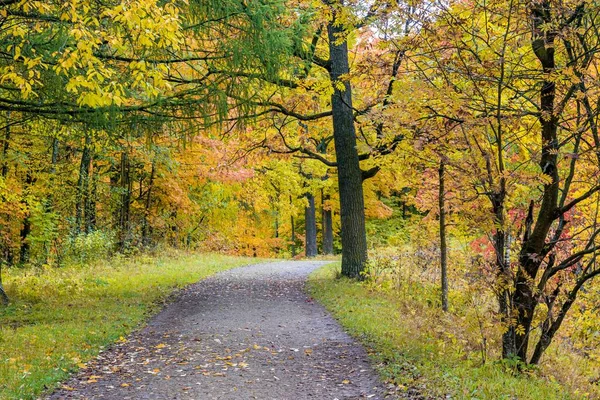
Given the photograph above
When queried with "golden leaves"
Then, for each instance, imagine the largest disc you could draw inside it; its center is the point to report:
(101, 53)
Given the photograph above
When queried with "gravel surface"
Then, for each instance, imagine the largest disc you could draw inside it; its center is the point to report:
(247, 333)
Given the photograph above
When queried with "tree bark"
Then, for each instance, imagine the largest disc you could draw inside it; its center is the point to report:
(83, 184)
(91, 199)
(293, 228)
(124, 200)
(4, 300)
(352, 209)
(148, 201)
(26, 228)
(310, 222)
(532, 250)
(5, 146)
(443, 244)
(293, 225)
(4, 247)
(504, 278)
(3, 296)
(49, 204)
(327, 223)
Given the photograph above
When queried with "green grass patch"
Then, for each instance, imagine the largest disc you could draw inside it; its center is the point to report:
(60, 318)
(416, 346)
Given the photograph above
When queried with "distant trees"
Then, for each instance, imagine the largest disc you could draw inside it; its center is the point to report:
(317, 86)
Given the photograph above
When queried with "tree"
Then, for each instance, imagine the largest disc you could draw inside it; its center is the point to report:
(519, 93)
(350, 176)
(443, 242)
(317, 86)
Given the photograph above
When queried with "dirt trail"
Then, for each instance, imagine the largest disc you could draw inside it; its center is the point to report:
(248, 333)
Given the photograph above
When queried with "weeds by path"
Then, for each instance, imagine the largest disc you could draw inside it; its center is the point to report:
(408, 344)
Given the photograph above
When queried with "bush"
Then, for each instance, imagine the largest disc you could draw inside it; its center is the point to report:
(88, 248)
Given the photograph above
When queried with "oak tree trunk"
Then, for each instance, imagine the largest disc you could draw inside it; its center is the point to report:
(532, 249)
(293, 225)
(443, 244)
(91, 198)
(4, 247)
(4, 300)
(3, 296)
(5, 146)
(310, 222)
(124, 200)
(83, 184)
(26, 228)
(352, 209)
(327, 223)
(148, 201)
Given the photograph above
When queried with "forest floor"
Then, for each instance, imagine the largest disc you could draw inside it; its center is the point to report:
(246, 333)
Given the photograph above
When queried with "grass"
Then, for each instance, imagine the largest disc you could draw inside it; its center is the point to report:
(416, 346)
(61, 318)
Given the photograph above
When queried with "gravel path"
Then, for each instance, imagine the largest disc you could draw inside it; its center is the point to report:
(247, 333)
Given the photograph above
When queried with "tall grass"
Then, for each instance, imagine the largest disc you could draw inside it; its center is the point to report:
(416, 346)
(59, 318)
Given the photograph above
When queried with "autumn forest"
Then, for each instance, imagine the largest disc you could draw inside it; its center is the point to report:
(443, 155)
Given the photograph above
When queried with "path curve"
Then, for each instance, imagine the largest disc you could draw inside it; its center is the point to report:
(247, 333)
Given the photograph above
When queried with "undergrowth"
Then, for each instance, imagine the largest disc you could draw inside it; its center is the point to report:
(59, 318)
(417, 347)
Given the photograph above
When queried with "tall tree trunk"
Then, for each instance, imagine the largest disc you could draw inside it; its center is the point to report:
(4, 247)
(83, 184)
(504, 279)
(147, 203)
(3, 296)
(49, 204)
(26, 228)
(174, 230)
(311, 226)
(293, 224)
(352, 208)
(125, 200)
(55, 148)
(327, 223)
(293, 227)
(443, 244)
(4, 300)
(5, 146)
(532, 249)
(91, 200)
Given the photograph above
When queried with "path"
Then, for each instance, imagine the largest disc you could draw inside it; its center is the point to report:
(247, 333)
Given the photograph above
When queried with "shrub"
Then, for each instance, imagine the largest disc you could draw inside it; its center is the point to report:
(90, 247)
